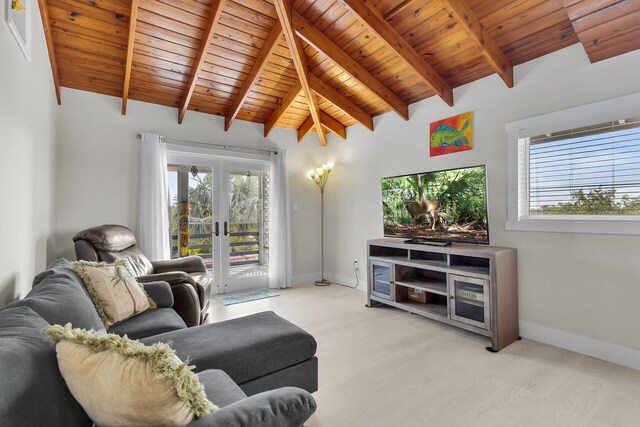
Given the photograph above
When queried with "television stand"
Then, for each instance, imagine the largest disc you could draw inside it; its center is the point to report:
(430, 242)
(466, 286)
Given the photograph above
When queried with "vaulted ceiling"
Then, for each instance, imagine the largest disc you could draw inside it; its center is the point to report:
(314, 64)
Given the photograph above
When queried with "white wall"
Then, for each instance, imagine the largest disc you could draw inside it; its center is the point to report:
(27, 138)
(97, 162)
(581, 284)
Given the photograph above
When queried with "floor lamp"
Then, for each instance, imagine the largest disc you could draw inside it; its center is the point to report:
(320, 176)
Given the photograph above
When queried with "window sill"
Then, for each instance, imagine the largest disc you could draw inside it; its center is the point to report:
(624, 227)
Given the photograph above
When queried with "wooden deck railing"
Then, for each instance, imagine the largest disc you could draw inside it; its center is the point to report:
(246, 252)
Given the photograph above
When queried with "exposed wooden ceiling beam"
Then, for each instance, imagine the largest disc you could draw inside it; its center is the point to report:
(205, 43)
(341, 101)
(46, 24)
(327, 47)
(261, 61)
(333, 125)
(133, 18)
(285, 14)
(328, 122)
(470, 23)
(373, 20)
(282, 108)
(305, 128)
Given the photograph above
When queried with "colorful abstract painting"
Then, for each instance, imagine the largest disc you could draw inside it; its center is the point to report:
(451, 135)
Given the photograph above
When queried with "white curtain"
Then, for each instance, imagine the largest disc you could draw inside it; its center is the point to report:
(153, 195)
(280, 259)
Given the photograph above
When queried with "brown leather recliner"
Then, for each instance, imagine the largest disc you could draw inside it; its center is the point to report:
(188, 277)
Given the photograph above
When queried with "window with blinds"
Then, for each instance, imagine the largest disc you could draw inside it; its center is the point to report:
(590, 171)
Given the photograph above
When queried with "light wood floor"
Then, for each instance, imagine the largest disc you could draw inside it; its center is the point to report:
(384, 367)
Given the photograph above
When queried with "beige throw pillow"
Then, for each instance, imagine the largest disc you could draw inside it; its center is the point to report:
(114, 291)
(121, 382)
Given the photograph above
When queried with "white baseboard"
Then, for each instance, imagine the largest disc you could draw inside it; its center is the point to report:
(347, 281)
(306, 278)
(335, 278)
(613, 353)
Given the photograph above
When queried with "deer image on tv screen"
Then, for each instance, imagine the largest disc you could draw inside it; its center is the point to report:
(422, 207)
(450, 205)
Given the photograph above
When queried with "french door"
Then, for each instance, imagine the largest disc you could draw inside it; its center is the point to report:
(218, 210)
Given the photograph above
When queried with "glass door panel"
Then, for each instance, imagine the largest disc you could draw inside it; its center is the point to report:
(244, 242)
(201, 207)
(245, 233)
(381, 282)
(191, 210)
(471, 301)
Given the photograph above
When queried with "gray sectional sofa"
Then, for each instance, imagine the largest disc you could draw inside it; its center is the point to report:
(259, 369)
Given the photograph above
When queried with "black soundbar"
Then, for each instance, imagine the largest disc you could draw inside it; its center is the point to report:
(430, 242)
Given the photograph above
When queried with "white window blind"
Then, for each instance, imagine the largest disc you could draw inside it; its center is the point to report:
(590, 171)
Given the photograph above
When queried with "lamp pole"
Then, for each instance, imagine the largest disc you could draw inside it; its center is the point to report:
(320, 176)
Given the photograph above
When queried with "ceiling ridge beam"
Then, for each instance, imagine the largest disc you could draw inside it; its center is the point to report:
(316, 38)
(133, 18)
(205, 43)
(373, 20)
(464, 15)
(328, 122)
(46, 24)
(258, 66)
(285, 14)
(325, 91)
(342, 102)
(282, 108)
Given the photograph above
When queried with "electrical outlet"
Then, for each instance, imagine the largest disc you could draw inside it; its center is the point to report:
(356, 265)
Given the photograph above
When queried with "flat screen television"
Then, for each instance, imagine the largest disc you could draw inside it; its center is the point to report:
(446, 206)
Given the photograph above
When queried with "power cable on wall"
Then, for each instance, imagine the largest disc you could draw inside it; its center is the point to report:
(355, 271)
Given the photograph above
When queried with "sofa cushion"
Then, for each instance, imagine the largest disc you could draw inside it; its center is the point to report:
(120, 381)
(245, 348)
(282, 407)
(220, 388)
(59, 297)
(160, 293)
(151, 322)
(32, 391)
(114, 291)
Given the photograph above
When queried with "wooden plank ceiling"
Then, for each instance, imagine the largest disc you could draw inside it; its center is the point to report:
(268, 61)
(606, 28)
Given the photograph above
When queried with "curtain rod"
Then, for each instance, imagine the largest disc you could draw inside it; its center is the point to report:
(238, 148)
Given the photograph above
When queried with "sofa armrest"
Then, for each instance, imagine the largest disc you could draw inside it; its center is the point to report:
(283, 407)
(160, 293)
(185, 294)
(171, 277)
(189, 264)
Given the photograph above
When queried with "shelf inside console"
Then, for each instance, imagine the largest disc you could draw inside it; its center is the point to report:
(418, 278)
(436, 257)
(436, 304)
(469, 263)
(387, 252)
